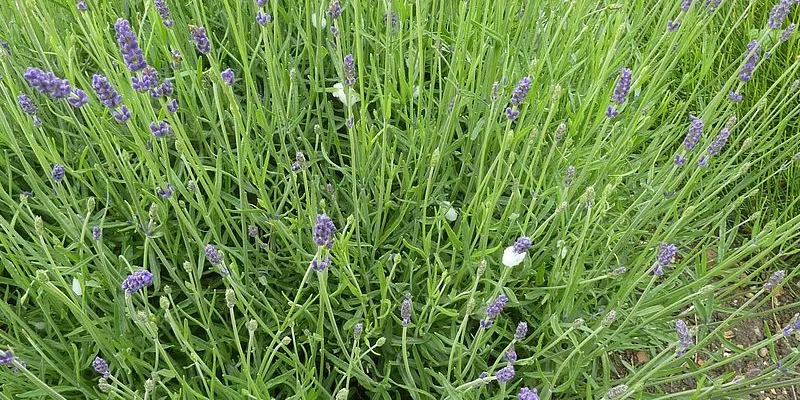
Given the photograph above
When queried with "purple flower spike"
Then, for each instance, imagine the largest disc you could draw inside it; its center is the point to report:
(263, 18)
(172, 106)
(496, 307)
(227, 76)
(512, 113)
(405, 311)
(522, 331)
(123, 114)
(753, 49)
(334, 30)
(505, 374)
(666, 252)
(58, 173)
(679, 160)
(77, 98)
(262, 3)
(26, 104)
(779, 13)
(774, 280)
(522, 244)
(510, 355)
(521, 91)
(719, 141)
(623, 86)
(695, 130)
(160, 129)
(321, 265)
(80, 5)
(611, 112)
(787, 33)
(702, 162)
(137, 281)
(47, 83)
(148, 81)
(684, 337)
(107, 94)
(673, 26)
(334, 9)
(735, 97)
(528, 394)
(324, 230)
(6, 357)
(166, 192)
(349, 70)
(686, 4)
(96, 233)
(129, 46)
(200, 39)
(213, 255)
(788, 329)
(163, 11)
(101, 367)
(390, 16)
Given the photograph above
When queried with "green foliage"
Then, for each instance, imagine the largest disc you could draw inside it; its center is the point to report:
(428, 135)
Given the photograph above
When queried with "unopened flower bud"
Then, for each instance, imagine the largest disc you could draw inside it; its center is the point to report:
(286, 340)
(163, 301)
(252, 325)
(90, 204)
(380, 342)
(230, 298)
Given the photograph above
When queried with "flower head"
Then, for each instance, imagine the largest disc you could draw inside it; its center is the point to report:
(695, 130)
(26, 104)
(528, 394)
(521, 91)
(522, 331)
(514, 255)
(166, 192)
(261, 3)
(611, 112)
(753, 49)
(163, 11)
(505, 374)
(684, 337)
(172, 106)
(77, 98)
(405, 311)
(735, 97)
(324, 230)
(672, 26)
(345, 94)
(349, 70)
(100, 366)
(200, 39)
(666, 252)
(6, 357)
(510, 355)
(623, 86)
(320, 265)
(107, 94)
(58, 173)
(213, 255)
(47, 83)
(263, 18)
(80, 5)
(334, 9)
(137, 280)
(719, 141)
(493, 310)
(779, 13)
(96, 232)
(679, 160)
(774, 279)
(129, 46)
(227, 76)
(390, 16)
(160, 129)
(787, 33)
(685, 4)
(123, 114)
(148, 81)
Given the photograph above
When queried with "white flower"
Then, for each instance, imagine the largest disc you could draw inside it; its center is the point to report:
(349, 98)
(322, 21)
(450, 213)
(511, 258)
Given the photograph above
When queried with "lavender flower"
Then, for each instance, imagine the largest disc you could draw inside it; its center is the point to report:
(569, 175)
(358, 328)
(496, 307)
(334, 30)
(252, 231)
(227, 76)
(213, 255)
(405, 311)
(695, 130)
(495, 91)
(263, 18)
(719, 141)
(673, 26)
(47, 83)
(58, 173)
(6, 357)
(387, 16)
(684, 337)
(107, 94)
(26, 104)
(77, 98)
(96, 232)
(160, 129)
(162, 90)
(176, 59)
(323, 231)
(129, 46)
(788, 329)
(510, 355)
(521, 91)
(321, 265)
(679, 160)
(623, 86)
(123, 114)
(522, 244)
(149, 80)
(611, 112)
(80, 5)
(779, 13)
(334, 9)
(137, 280)
(666, 252)
(200, 39)
(746, 72)
(166, 192)
(483, 375)
(522, 331)
(735, 97)
(101, 367)
(702, 162)
(774, 280)
(350, 123)
(685, 4)
(512, 113)
(528, 394)
(163, 11)
(349, 70)
(788, 32)
(261, 3)
(505, 374)
(172, 106)
(37, 121)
